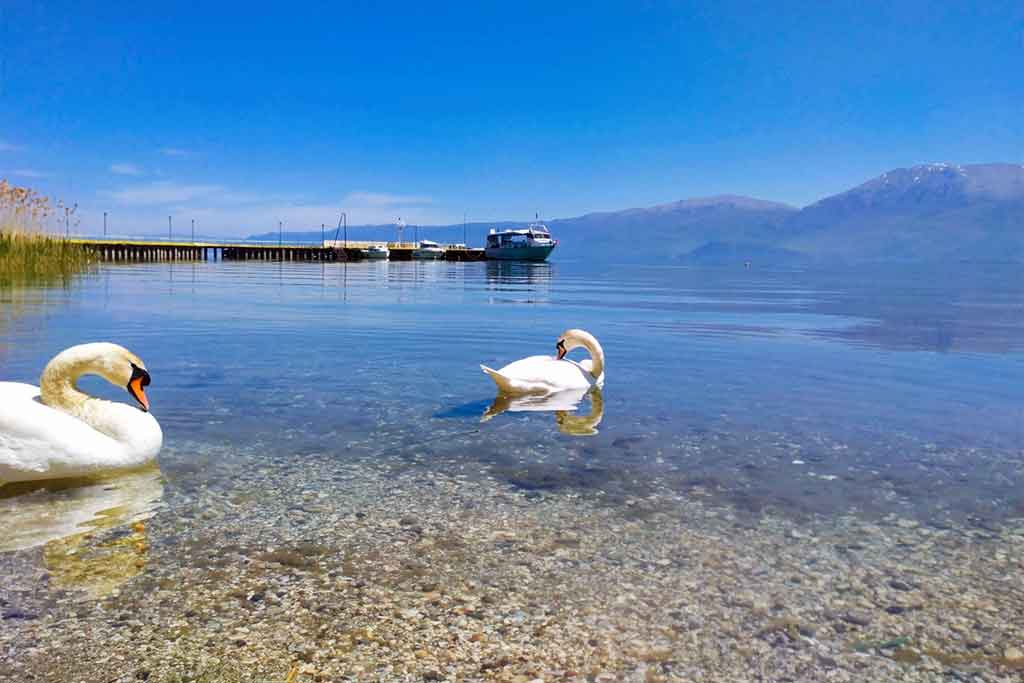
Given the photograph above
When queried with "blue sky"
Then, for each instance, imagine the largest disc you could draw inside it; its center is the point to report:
(243, 116)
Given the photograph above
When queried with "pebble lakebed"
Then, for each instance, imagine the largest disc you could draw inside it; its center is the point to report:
(310, 569)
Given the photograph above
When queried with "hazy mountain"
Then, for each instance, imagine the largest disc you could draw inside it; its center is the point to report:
(934, 212)
(671, 231)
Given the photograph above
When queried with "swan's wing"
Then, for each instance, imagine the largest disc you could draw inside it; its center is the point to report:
(539, 374)
(530, 367)
(38, 442)
(524, 376)
(16, 391)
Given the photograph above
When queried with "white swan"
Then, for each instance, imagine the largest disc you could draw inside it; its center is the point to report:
(55, 431)
(550, 374)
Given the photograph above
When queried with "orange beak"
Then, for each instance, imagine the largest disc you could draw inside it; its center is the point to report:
(138, 393)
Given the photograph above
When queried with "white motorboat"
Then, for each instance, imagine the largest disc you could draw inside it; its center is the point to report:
(375, 251)
(428, 250)
(532, 243)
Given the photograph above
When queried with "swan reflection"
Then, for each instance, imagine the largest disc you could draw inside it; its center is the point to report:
(563, 404)
(69, 517)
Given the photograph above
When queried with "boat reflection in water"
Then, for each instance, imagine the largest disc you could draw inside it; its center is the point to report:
(518, 272)
(78, 524)
(518, 282)
(563, 404)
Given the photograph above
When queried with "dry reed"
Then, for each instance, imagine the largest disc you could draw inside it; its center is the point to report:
(28, 253)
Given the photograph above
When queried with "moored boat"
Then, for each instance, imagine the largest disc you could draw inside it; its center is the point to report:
(428, 250)
(532, 243)
(375, 251)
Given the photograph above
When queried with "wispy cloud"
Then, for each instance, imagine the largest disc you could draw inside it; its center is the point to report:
(124, 168)
(8, 147)
(176, 152)
(29, 173)
(161, 192)
(227, 210)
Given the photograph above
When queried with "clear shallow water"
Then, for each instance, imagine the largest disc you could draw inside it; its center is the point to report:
(806, 475)
(801, 392)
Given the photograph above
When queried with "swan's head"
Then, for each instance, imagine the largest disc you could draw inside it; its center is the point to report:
(122, 368)
(114, 363)
(573, 339)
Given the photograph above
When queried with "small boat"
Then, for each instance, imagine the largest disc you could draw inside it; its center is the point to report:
(428, 250)
(532, 243)
(375, 251)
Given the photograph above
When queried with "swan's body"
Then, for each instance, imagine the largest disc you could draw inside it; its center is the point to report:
(55, 431)
(552, 374)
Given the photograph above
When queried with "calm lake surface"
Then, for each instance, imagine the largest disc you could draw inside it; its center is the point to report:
(789, 475)
(806, 392)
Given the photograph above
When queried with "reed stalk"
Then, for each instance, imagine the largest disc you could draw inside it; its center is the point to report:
(29, 255)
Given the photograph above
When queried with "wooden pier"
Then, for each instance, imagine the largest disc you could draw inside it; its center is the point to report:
(135, 250)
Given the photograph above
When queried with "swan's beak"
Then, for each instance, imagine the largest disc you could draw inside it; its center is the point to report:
(139, 380)
(561, 349)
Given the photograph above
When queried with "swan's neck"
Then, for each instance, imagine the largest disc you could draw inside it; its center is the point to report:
(58, 383)
(590, 343)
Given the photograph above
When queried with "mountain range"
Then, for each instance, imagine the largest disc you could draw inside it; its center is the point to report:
(926, 213)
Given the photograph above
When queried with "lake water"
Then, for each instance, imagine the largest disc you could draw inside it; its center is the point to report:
(295, 395)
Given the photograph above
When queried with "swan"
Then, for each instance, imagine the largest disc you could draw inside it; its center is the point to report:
(551, 374)
(55, 431)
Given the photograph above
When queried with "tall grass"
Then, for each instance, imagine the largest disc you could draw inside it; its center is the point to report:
(28, 254)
